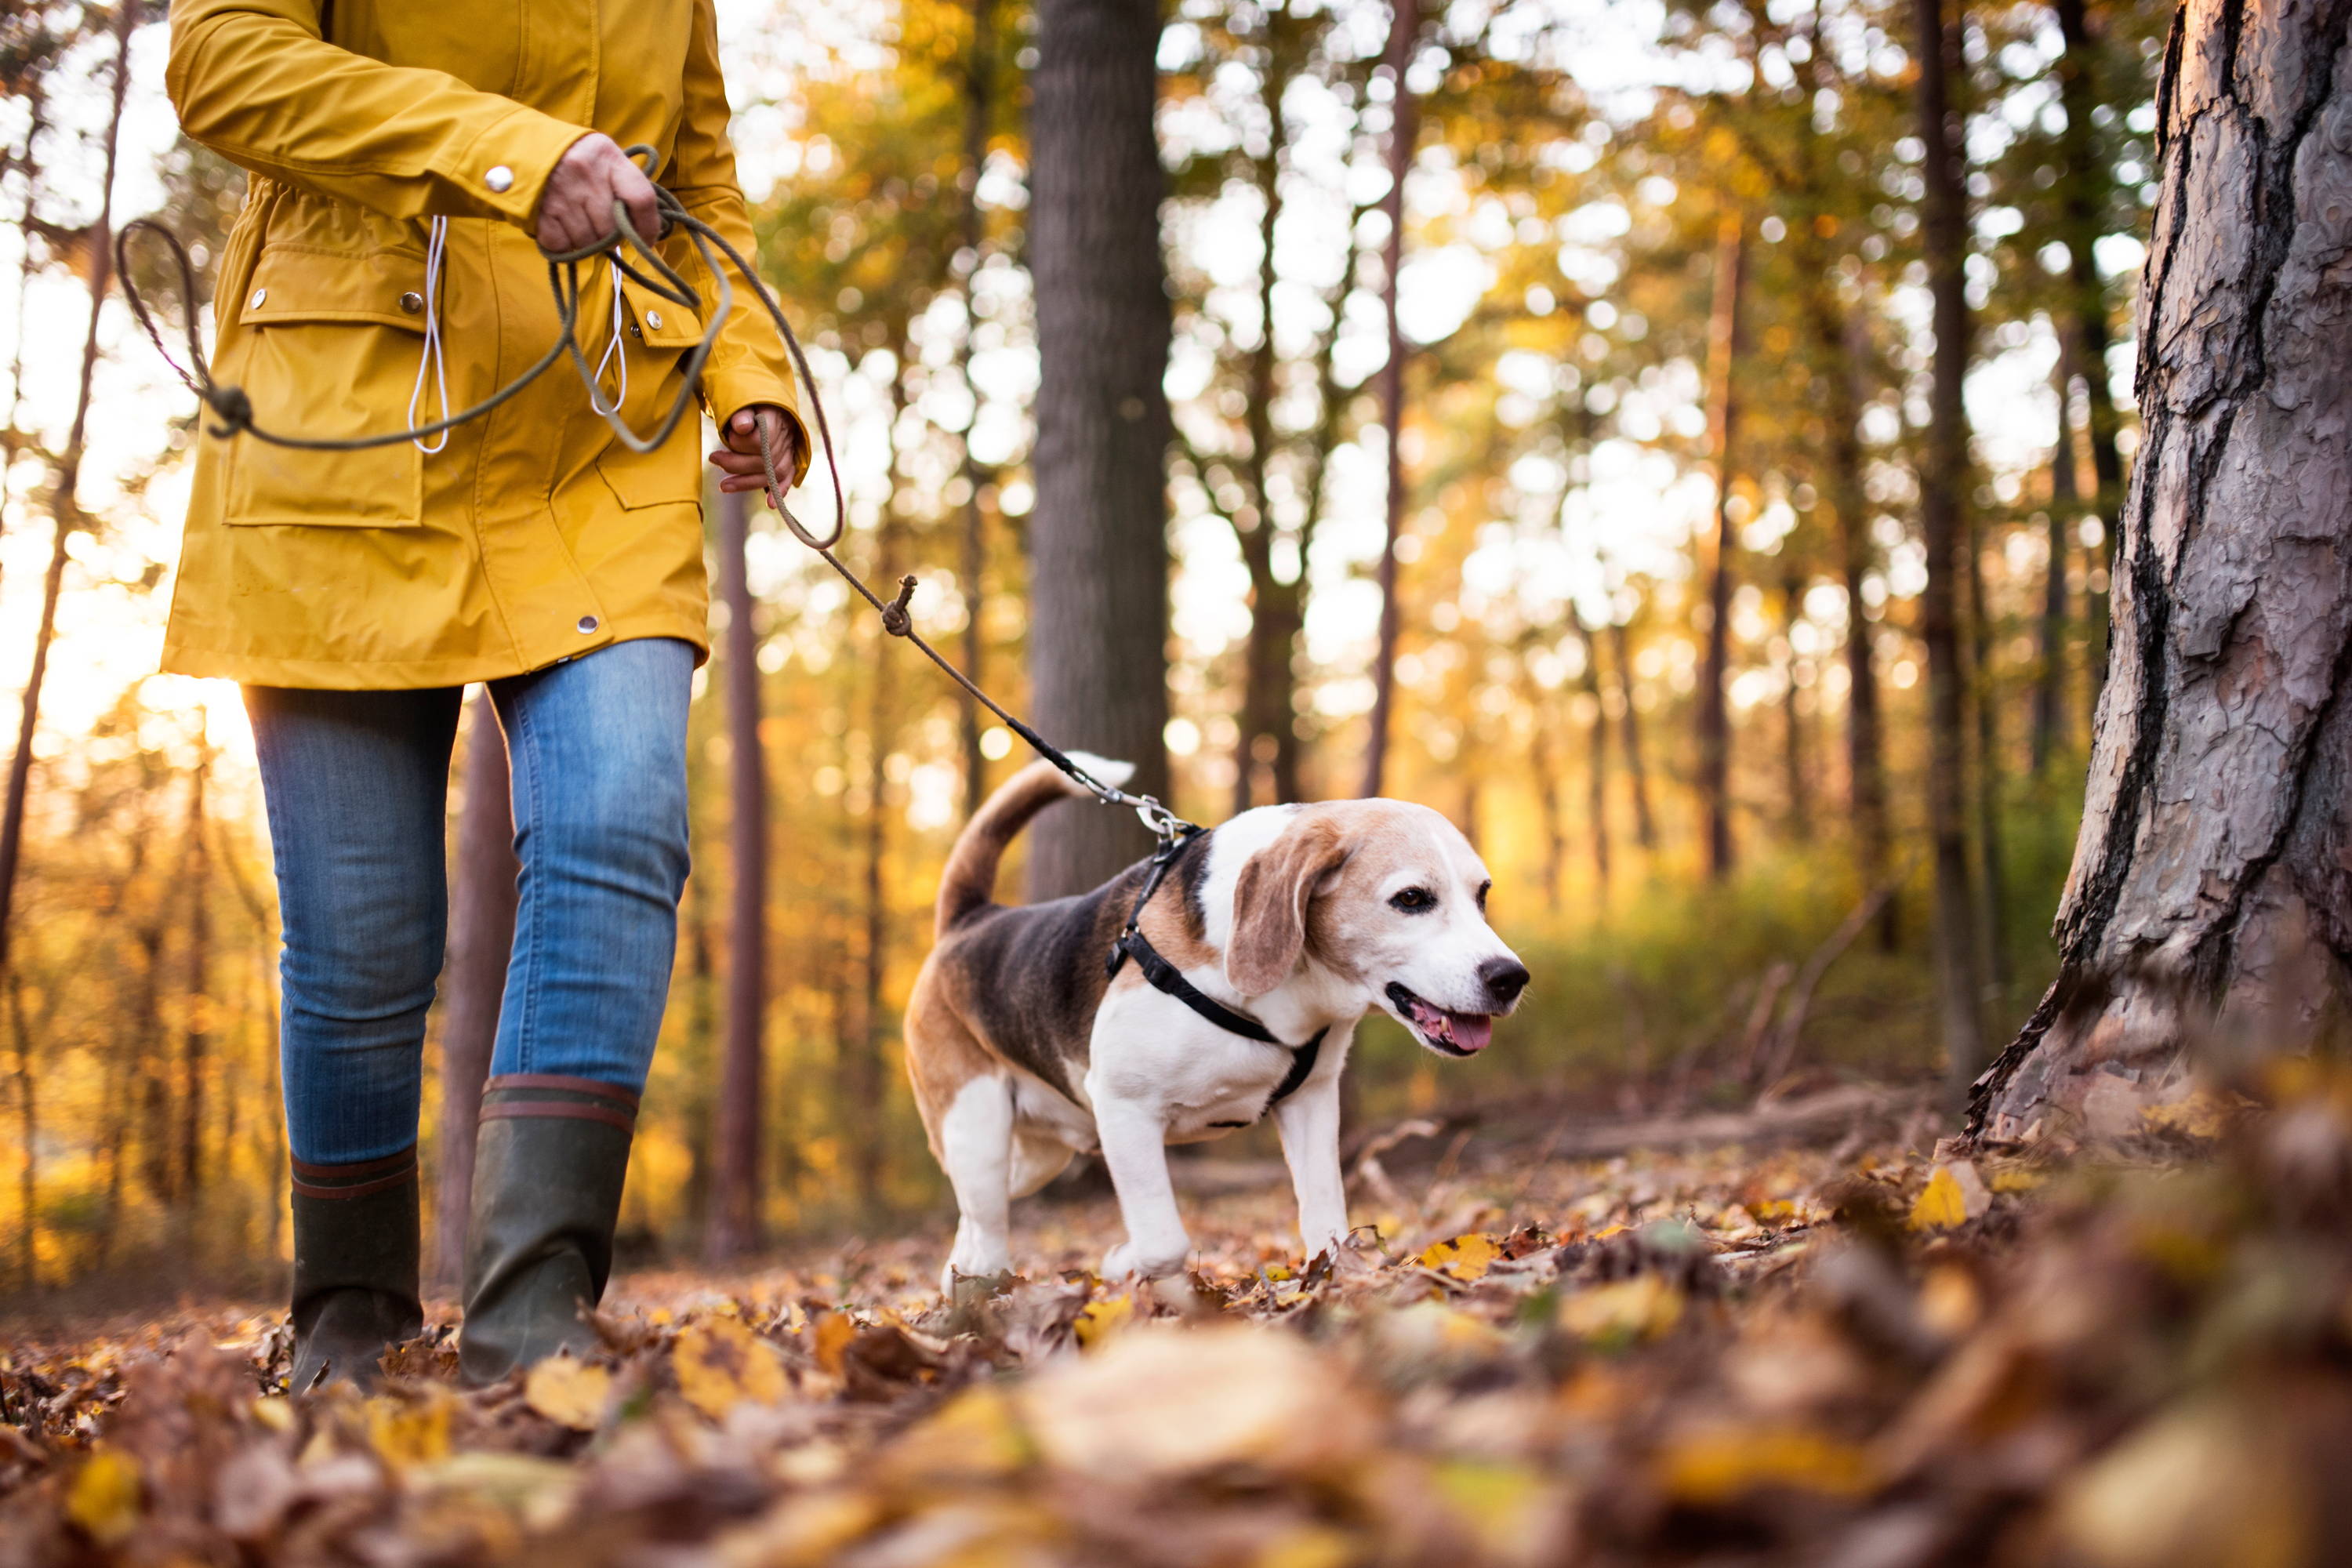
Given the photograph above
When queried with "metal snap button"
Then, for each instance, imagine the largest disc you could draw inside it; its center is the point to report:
(412, 301)
(258, 296)
(588, 623)
(500, 179)
(653, 319)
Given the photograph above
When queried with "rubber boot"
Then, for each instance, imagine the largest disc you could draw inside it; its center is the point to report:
(355, 1240)
(548, 1165)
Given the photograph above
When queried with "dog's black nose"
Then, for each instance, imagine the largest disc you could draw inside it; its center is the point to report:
(1504, 978)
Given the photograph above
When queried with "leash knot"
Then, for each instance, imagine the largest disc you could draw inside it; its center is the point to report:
(234, 408)
(895, 617)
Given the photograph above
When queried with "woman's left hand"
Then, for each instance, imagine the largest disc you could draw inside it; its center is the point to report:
(738, 460)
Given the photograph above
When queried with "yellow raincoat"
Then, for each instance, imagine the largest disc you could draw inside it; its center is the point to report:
(533, 535)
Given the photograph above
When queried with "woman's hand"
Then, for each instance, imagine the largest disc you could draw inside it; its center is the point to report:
(739, 462)
(575, 210)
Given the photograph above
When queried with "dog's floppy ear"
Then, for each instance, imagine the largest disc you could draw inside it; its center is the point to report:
(1270, 904)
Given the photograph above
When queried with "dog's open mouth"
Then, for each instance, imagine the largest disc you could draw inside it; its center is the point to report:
(1441, 1029)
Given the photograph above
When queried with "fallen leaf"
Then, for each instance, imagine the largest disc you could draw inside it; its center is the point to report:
(1941, 1206)
(1464, 1257)
(104, 1498)
(1719, 1464)
(410, 1431)
(1641, 1308)
(569, 1392)
(1100, 1320)
(974, 1437)
(721, 1364)
(835, 1330)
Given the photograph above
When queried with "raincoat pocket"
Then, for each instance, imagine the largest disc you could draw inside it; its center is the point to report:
(657, 334)
(329, 346)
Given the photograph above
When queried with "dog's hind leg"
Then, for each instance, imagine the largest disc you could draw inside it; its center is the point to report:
(1036, 1161)
(976, 1147)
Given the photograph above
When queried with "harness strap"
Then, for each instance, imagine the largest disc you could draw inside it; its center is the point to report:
(1169, 981)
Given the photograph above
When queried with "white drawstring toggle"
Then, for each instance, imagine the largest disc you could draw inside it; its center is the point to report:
(612, 351)
(433, 359)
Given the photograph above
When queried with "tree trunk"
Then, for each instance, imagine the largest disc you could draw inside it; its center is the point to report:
(2065, 507)
(2210, 901)
(482, 897)
(1943, 483)
(1098, 545)
(1543, 761)
(979, 110)
(734, 1227)
(1404, 133)
(1723, 420)
(1792, 723)
(2089, 191)
(1267, 715)
(195, 1035)
(64, 510)
(1992, 885)
(28, 1128)
(1596, 746)
(1645, 826)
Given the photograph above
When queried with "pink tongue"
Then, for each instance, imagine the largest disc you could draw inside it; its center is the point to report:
(1463, 1031)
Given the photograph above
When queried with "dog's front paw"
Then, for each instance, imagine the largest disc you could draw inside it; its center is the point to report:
(1150, 1263)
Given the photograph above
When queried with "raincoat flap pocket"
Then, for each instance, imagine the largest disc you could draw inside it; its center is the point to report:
(662, 324)
(294, 284)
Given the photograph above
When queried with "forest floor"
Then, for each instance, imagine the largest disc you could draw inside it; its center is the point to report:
(1794, 1335)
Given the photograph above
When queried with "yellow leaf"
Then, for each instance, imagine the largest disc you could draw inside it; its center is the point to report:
(973, 1436)
(104, 1498)
(1509, 1507)
(1465, 1258)
(1716, 1466)
(275, 1411)
(721, 1364)
(1641, 1308)
(834, 1332)
(1307, 1546)
(804, 1530)
(1100, 1320)
(2202, 1115)
(1941, 1206)
(2016, 1180)
(569, 1392)
(410, 1431)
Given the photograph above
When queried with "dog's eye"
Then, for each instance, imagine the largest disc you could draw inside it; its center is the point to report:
(1484, 888)
(1414, 900)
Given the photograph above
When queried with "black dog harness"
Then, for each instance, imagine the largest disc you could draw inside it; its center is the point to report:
(1166, 978)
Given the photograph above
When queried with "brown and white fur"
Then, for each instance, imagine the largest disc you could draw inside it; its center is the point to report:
(1305, 917)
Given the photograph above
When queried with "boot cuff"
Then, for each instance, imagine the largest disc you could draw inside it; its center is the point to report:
(547, 1094)
(357, 1179)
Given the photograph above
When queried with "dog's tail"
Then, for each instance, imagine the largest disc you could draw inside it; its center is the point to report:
(970, 881)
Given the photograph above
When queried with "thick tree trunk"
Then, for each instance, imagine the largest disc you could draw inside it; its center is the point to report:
(1404, 134)
(1943, 485)
(1266, 731)
(979, 113)
(482, 895)
(2210, 901)
(2065, 508)
(1723, 420)
(1098, 545)
(734, 1227)
(1992, 882)
(1792, 722)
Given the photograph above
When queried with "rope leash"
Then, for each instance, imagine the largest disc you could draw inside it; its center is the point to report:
(232, 410)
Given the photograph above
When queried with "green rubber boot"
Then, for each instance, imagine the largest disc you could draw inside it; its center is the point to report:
(548, 1165)
(355, 1240)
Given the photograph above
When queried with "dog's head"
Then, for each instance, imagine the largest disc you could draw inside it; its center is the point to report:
(1389, 897)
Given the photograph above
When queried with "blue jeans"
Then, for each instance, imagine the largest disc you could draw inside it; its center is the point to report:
(357, 785)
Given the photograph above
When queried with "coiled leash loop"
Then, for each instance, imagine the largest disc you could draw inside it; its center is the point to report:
(232, 410)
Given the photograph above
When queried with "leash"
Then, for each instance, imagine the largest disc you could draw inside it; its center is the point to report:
(232, 409)
(1169, 981)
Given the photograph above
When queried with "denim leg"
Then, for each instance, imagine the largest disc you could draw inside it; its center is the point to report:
(357, 785)
(598, 749)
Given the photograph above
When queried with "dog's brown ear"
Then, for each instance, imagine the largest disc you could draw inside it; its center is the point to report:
(1270, 905)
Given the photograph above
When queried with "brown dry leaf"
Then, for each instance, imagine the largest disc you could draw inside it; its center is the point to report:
(834, 1331)
(1159, 1403)
(721, 1364)
(1718, 1464)
(1463, 1257)
(104, 1498)
(569, 1392)
(2211, 1483)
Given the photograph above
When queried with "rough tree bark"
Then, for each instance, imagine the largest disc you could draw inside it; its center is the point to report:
(1404, 132)
(2211, 901)
(1098, 542)
(734, 1227)
(482, 895)
(1943, 483)
(1723, 422)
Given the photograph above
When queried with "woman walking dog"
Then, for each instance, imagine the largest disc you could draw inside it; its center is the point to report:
(412, 163)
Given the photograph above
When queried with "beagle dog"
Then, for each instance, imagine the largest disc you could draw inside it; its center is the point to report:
(1259, 944)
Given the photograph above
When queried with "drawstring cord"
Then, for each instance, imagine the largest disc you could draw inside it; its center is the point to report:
(233, 408)
(432, 358)
(613, 351)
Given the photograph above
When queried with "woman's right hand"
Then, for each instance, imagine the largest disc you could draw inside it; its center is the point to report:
(575, 210)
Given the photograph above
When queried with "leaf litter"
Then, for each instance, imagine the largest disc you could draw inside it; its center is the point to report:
(1861, 1357)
